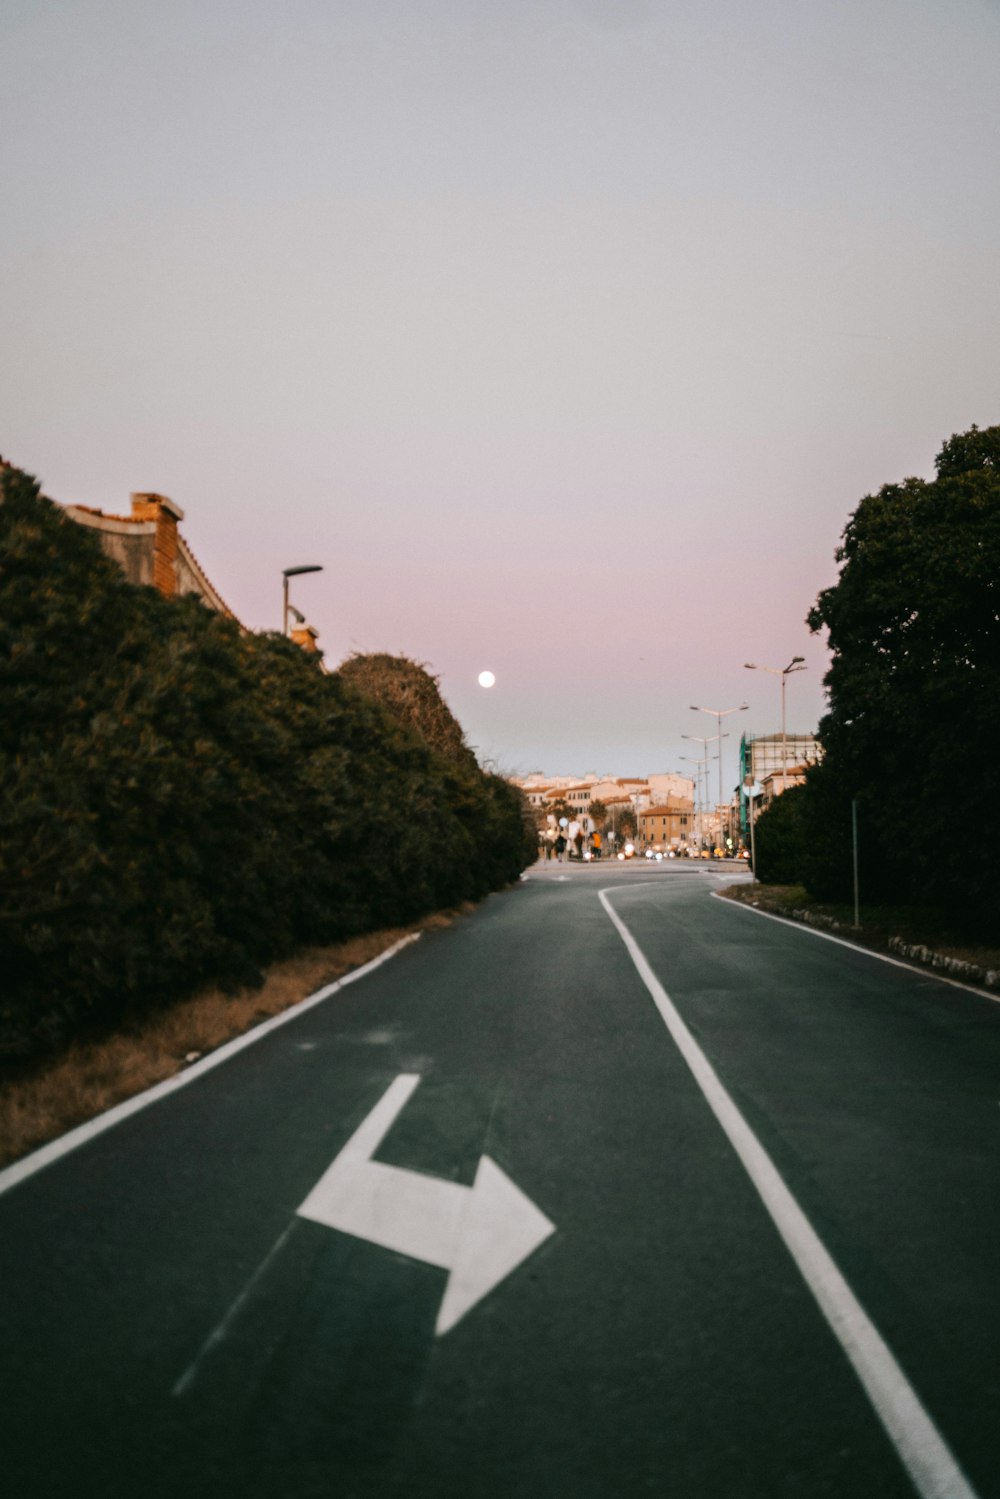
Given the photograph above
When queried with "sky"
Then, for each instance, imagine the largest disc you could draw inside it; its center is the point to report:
(565, 335)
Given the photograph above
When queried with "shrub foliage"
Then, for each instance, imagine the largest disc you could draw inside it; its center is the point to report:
(778, 838)
(182, 802)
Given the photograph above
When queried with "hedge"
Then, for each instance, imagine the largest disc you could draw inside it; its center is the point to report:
(182, 802)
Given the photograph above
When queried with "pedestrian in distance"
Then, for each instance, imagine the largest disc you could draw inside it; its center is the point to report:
(560, 847)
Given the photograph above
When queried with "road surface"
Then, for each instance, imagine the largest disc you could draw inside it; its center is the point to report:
(610, 1189)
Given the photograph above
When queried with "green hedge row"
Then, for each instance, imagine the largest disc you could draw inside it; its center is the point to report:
(181, 802)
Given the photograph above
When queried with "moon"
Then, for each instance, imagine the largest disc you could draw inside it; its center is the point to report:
(486, 679)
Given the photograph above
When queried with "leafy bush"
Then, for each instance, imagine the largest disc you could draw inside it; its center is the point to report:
(181, 802)
(779, 839)
(412, 696)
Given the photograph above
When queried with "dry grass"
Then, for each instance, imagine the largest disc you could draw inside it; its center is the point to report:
(91, 1076)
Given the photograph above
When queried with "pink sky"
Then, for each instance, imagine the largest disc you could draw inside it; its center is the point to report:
(564, 335)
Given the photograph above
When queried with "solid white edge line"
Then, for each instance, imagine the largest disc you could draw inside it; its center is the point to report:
(55, 1149)
(869, 952)
(920, 1446)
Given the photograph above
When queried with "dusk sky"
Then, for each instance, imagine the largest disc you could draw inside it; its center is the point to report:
(564, 334)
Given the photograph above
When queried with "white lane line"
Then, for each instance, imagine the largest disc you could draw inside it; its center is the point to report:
(921, 1448)
(869, 952)
(55, 1149)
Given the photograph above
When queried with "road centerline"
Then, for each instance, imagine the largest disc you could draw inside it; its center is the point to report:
(921, 1448)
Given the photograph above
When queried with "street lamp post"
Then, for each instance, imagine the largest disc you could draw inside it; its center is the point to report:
(719, 714)
(696, 782)
(752, 790)
(638, 794)
(293, 572)
(706, 742)
(783, 672)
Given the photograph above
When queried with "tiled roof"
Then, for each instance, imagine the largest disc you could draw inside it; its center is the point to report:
(132, 520)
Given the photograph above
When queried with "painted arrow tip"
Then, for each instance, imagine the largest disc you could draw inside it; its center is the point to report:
(501, 1228)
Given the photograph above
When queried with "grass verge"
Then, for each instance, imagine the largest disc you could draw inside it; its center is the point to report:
(917, 934)
(88, 1077)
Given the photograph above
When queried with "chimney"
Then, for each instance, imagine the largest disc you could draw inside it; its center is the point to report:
(156, 507)
(306, 637)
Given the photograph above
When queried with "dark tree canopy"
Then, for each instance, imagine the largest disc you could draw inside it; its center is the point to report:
(914, 683)
(965, 451)
(778, 839)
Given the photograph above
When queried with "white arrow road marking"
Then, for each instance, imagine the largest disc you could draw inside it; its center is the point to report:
(479, 1234)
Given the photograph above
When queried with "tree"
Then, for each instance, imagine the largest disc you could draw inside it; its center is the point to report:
(412, 695)
(625, 822)
(914, 684)
(598, 814)
(779, 839)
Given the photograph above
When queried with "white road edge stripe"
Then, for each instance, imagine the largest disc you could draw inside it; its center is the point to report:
(869, 952)
(921, 1448)
(46, 1154)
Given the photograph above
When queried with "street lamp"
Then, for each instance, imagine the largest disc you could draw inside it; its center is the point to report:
(711, 739)
(696, 783)
(719, 714)
(783, 672)
(293, 572)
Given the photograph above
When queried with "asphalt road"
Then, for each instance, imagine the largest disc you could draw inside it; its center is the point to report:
(735, 1234)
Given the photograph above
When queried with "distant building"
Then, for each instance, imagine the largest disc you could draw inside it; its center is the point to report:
(762, 754)
(577, 797)
(775, 762)
(780, 780)
(618, 794)
(149, 548)
(668, 825)
(609, 789)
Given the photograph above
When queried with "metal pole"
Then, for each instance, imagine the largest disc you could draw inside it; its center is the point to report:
(782, 672)
(784, 739)
(753, 851)
(719, 714)
(294, 572)
(854, 852)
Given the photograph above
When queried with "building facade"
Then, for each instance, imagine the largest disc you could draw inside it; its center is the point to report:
(668, 825)
(149, 548)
